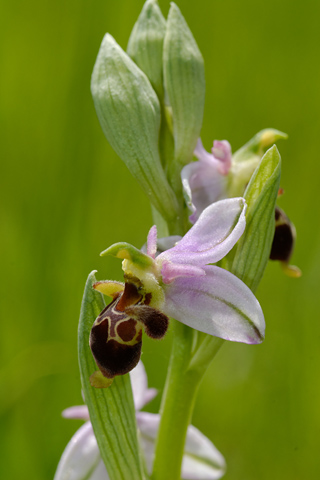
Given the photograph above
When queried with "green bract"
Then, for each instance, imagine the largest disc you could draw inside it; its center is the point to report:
(262, 140)
(184, 84)
(145, 45)
(111, 410)
(129, 113)
(248, 259)
(246, 159)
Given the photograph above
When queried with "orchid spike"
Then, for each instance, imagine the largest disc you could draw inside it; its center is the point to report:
(81, 457)
(182, 283)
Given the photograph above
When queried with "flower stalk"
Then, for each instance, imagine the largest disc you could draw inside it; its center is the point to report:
(177, 404)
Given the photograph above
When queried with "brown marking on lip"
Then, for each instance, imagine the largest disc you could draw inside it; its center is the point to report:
(113, 324)
(127, 330)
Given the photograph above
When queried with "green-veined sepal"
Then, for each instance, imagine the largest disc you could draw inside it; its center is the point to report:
(184, 80)
(249, 257)
(145, 45)
(125, 251)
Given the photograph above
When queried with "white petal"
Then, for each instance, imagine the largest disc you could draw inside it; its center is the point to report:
(100, 473)
(218, 303)
(149, 395)
(79, 412)
(148, 424)
(152, 242)
(139, 382)
(219, 227)
(201, 460)
(81, 459)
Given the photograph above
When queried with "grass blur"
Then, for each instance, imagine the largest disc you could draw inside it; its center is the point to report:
(65, 196)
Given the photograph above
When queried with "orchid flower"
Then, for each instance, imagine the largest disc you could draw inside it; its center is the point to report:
(181, 283)
(81, 458)
(219, 174)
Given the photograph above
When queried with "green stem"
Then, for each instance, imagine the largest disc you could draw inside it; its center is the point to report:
(177, 225)
(191, 355)
(177, 406)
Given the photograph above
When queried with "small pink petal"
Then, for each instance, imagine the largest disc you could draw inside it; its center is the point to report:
(216, 231)
(152, 242)
(201, 153)
(202, 184)
(222, 151)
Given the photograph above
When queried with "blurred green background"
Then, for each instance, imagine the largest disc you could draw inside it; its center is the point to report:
(65, 197)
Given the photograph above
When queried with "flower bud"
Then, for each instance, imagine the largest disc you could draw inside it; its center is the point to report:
(145, 45)
(184, 84)
(256, 146)
(247, 158)
(129, 113)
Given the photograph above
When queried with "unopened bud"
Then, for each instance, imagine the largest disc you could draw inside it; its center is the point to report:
(129, 113)
(184, 80)
(145, 45)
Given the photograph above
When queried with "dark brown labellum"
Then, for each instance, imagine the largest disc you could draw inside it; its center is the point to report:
(284, 237)
(115, 341)
(115, 337)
